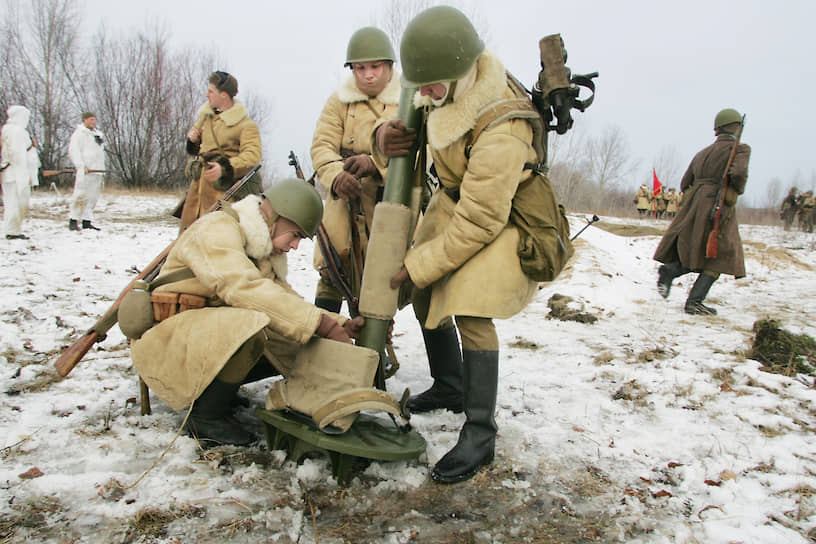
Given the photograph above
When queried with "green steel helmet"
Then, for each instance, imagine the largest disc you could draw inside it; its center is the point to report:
(369, 44)
(297, 201)
(726, 117)
(440, 44)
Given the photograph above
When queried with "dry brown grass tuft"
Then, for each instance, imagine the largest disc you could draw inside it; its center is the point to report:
(152, 522)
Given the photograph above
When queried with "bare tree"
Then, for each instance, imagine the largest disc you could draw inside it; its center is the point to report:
(148, 96)
(40, 60)
(608, 159)
(773, 193)
(668, 167)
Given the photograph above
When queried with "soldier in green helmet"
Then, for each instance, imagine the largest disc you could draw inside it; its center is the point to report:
(464, 261)
(683, 246)
(341, 154)
(252, 323)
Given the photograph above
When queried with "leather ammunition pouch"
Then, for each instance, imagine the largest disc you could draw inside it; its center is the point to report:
(331, 382)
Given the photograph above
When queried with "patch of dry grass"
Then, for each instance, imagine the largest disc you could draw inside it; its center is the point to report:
(34, 517)
(153, 522)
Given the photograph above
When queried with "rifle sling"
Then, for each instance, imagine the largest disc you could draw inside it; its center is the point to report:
(172, 277)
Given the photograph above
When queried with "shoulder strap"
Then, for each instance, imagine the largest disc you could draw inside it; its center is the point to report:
(520, 107)
(171, 277)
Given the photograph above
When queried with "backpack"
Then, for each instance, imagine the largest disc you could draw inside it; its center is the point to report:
(544, 233)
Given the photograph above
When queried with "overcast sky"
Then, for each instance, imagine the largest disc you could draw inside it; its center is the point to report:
(665, 68)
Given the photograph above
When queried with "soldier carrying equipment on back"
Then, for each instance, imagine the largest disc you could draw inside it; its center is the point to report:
(683, 247)
(224, 143)
(465, 260)
(341, 154)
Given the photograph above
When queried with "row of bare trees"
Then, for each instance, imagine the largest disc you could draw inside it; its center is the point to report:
(144, 92)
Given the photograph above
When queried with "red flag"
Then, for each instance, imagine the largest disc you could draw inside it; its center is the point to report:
(656, 185)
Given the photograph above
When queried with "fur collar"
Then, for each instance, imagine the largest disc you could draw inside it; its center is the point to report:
(348, 92)
(450, 122)
(258, 243)
(231, 117)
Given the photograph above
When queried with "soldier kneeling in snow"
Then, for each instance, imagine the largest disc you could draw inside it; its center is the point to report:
(252, 323)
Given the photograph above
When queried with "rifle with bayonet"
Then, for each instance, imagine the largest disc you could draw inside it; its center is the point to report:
(76, 351)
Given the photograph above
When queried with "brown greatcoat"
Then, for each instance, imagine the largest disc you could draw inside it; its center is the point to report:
(344, 128)
(230, 253)
(234, 137)
(465, 249)
(686, 238)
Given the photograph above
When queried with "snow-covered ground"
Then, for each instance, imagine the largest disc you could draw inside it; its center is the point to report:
(649, 425)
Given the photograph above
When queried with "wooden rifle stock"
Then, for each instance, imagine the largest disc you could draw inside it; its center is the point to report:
(50, 173)
(712, 244)
(76, 351)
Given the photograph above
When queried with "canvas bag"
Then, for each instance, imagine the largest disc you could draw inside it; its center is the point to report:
(544, 243)
(331, 382)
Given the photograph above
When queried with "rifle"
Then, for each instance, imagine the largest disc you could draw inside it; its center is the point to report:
(76, 351)
(293, 161)
(334, 265)
(49, 173)
(589, 222)
(712, 247)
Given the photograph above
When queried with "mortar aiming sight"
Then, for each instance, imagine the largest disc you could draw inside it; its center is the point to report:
(556, 92)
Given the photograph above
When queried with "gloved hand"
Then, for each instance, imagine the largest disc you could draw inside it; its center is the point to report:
(400, 278)
(329, 328)
(360, 166)
(353, 327)
(395, 139)
(346, 186)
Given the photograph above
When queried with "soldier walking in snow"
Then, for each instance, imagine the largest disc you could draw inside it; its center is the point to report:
(643, 199)
(683, 247)
(671, 203)
(790, 205)
(16, 163)
(87, 151)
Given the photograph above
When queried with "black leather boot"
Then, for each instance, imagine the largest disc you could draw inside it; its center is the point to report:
(445, 360)
(211, 418)
(477, 439)
(694, 303)
(328, 304)
(88, 225)
(666, 274)
(72, 224)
